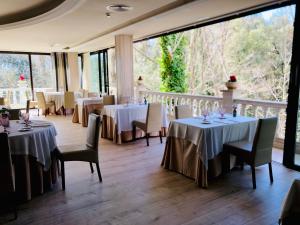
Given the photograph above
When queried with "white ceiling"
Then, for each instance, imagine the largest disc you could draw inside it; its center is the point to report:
(85, 27)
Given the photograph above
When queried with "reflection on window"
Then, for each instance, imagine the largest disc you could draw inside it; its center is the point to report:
(15, 84)
(43, 74)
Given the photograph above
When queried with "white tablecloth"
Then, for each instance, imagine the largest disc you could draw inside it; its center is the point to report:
(209, 138)
(81, 102)
(123, 115)
(38, 142)
(57, 97)
(89, 101)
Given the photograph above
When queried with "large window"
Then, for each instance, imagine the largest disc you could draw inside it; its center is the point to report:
(23, 73)
(94, 85)
(43, 73)
(99, 76)
(15, 78)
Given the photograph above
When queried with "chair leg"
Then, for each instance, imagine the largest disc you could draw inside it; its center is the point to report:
(253, 177)
(147, 139)
(133, 132)
(270, 172)
(92, 168)
(15, 206)
(38, 112)
(160, 136)
(98, 171)
(63, 174)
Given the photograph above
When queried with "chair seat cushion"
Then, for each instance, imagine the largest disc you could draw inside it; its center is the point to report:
(240, 148)
(139, 124)
(77, 153)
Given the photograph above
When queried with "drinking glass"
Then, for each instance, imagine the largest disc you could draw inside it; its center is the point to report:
(205, 114)
(222, 112)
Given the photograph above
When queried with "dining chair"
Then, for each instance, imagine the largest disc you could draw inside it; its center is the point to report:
(152, 124)
(69, 101)
(258, 152)
(2, 101)
(42, 104)
(183, 111)
(7, 187)
(108, 100)
(13, 114)
(87, 152)
(290, 209)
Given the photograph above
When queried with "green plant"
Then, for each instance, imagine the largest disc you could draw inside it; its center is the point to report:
(172, 64)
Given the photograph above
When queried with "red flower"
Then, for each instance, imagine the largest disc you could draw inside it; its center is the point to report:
(233, 78)
(22, 77)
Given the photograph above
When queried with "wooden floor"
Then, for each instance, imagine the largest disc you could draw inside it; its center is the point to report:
(136, 190)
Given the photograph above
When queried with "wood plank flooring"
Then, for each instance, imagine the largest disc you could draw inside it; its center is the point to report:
(136, 190)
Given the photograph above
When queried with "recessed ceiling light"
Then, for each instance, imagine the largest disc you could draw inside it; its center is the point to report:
(119, 8)
(107, 14)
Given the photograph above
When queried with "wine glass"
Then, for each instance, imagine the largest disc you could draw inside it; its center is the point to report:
(205, 114)
(26, 118)
(222, 112)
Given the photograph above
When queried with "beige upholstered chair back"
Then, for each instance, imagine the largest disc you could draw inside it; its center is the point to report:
(6, 168)
(108, 100)
(2, 102)
(69, 100)
(183, 111)
(263, 140)
(154, 115)
(41, 101)
(93, 132)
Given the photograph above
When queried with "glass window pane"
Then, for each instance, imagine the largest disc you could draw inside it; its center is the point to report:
(43, 74)
(15, 79)
(94, 81)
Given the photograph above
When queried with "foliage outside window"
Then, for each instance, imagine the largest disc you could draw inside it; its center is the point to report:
(43, 74)
(256, 48)
(172, 64)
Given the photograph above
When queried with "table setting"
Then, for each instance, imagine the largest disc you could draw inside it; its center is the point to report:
(32, 144)
(194, 145)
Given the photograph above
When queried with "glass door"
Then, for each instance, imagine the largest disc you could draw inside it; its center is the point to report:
(291, 157)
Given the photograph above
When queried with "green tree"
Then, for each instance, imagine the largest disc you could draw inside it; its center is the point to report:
(172, 63)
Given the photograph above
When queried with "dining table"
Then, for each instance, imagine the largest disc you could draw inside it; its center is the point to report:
(194, 146)
(85, 106)
(117, 121)
(57, 97)
(32, 147)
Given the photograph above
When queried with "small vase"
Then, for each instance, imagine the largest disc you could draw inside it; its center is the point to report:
(231, 85)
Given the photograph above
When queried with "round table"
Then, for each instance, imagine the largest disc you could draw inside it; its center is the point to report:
(33, 159)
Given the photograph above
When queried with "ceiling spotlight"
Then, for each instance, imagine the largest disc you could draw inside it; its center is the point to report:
(119, 8)
(108, 14)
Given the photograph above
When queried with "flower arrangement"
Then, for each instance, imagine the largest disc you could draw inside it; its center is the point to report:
(231, 83)
(4, 118)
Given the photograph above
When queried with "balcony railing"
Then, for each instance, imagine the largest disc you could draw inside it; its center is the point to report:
(246, 107)
(17, 97)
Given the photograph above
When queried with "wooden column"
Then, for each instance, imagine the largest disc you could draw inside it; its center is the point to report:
(124, 66)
